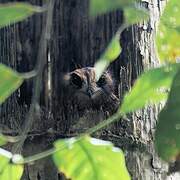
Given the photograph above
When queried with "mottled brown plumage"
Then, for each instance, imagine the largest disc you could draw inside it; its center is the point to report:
(86, 92)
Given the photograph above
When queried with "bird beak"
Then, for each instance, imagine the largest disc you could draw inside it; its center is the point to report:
(90, 93)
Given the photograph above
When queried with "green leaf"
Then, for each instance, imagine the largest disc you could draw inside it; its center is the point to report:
(8, 170)
(98, 7)
(12, 172)
(150, 87)
(3, 162)
(167, 136)
(113, 50)
(91, 159)
(133, 15)
(168, 36)
(9, 82)
(111, 53)
(15, 12)
(3, 140)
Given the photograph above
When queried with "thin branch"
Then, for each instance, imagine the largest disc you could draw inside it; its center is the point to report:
(38, 79)
(11, 139)
(41, 155)
(104, 123)
(51, 151)
(28, 75)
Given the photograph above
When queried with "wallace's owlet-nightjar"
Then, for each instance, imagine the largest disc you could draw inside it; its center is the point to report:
(88, 93)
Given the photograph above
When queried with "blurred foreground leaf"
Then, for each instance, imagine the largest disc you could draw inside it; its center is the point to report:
(111, 53)
(150, 87)
(167, 136)
(90, 159)
(9, 82)
(135, 14)
(8, 170)
(168, 35)
(15, 12)
(98, 7)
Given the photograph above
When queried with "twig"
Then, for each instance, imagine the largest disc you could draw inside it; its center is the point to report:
(41, 155)
(103, 124)
(38, 79)
(51, 151)
(28, 75)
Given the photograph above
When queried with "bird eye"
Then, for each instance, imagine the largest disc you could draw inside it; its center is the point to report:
(76, 80)
(101, 81)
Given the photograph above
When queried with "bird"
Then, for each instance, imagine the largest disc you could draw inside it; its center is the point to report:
(85, 92)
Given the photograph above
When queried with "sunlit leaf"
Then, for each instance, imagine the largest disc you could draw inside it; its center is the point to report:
(8, 170)
(113, 50)
(150, 87)
(111, 53)
(9, 82)
(15, 12)
(168, 35)
(11, 172)
(133, 15)
(90, 159)
(98, 7)
(167, 136)
(3, 162)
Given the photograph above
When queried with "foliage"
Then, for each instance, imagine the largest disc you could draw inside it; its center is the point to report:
(9, 170)
(167, 136)
(9, 82)
(168, 35)
(168, 128)
(15, 12)
(132, 14)
(104, 6)
(135, 14)
(90, 157)
(151, 87)
(2, 140)
(110, 54)
(84, 157)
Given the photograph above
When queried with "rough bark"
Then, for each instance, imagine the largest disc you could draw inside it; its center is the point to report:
(78, 40)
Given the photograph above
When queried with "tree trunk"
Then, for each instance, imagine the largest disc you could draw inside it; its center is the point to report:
(75, 40)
